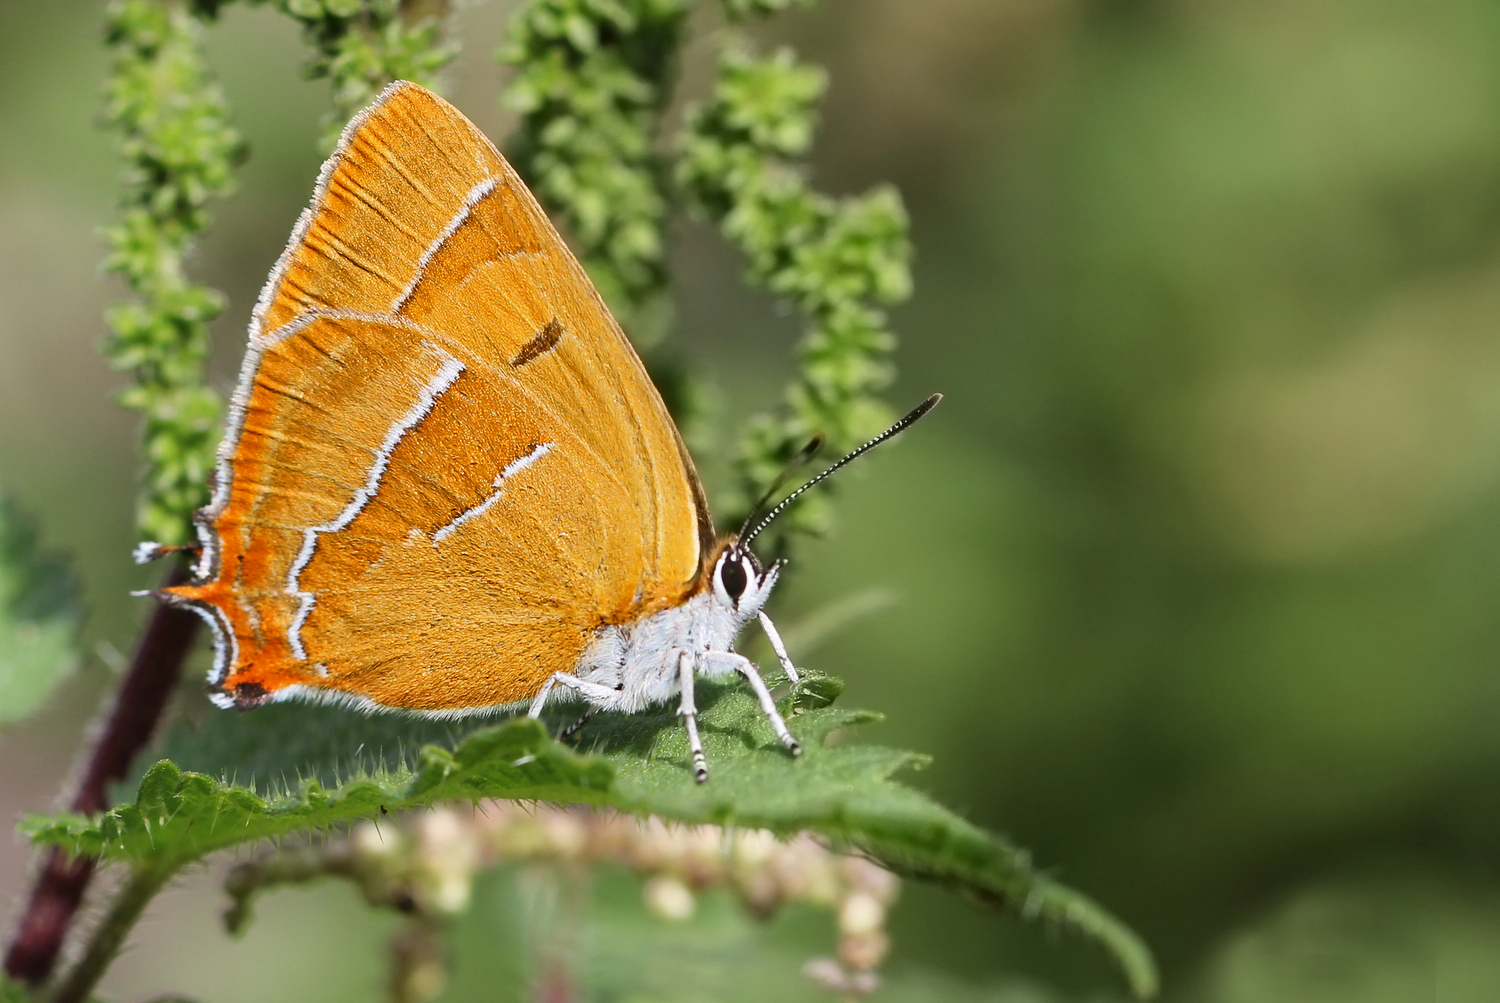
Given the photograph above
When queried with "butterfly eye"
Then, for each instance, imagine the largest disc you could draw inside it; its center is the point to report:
(733, 577)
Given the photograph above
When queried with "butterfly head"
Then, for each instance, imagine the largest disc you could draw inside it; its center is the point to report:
(739, 584)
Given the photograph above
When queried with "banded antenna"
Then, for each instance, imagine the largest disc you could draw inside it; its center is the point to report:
(902, 424)
(796, 463)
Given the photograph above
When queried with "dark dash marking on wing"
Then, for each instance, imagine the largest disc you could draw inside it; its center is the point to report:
(545, 341)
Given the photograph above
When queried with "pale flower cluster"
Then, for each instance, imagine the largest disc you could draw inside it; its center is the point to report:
(433, 858)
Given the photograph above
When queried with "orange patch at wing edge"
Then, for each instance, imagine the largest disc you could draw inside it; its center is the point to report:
(246, 681)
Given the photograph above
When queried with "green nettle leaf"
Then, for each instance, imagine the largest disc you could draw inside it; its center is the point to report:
(38, 617)
(639, 764)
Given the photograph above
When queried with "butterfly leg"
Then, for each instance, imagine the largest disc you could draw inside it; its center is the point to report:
(689, 714)
(600, 696)
(739, 663)
(780, 648)
(576, 726)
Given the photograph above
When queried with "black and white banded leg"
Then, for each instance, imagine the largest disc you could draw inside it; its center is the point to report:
(576, 726)
(688, 711)
(779, 648)
(747, 668)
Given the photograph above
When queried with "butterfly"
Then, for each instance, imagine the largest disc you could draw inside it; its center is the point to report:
(447, 484)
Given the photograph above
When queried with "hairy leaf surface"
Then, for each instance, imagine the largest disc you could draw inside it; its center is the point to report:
(844, 792)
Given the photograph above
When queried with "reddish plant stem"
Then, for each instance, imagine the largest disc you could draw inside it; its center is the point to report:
(144, 692)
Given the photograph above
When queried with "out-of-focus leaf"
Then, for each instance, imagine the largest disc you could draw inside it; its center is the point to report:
(38, 616)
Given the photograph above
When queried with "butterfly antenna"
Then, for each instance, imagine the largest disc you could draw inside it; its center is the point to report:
(793, 465)
(905, 422)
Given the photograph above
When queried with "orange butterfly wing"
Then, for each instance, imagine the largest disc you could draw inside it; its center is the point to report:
(445, 467)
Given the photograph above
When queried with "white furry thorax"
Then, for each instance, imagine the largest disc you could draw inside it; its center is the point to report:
(640, 658)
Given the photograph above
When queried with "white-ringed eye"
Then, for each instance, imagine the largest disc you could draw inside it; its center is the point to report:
(734, 578)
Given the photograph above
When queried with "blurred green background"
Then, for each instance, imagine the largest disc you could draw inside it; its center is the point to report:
(1194, 576)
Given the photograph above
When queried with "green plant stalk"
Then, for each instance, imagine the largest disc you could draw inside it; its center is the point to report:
(140, 887)
(592, 80)
(839, 262)
(362, 45)
(180, 152)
